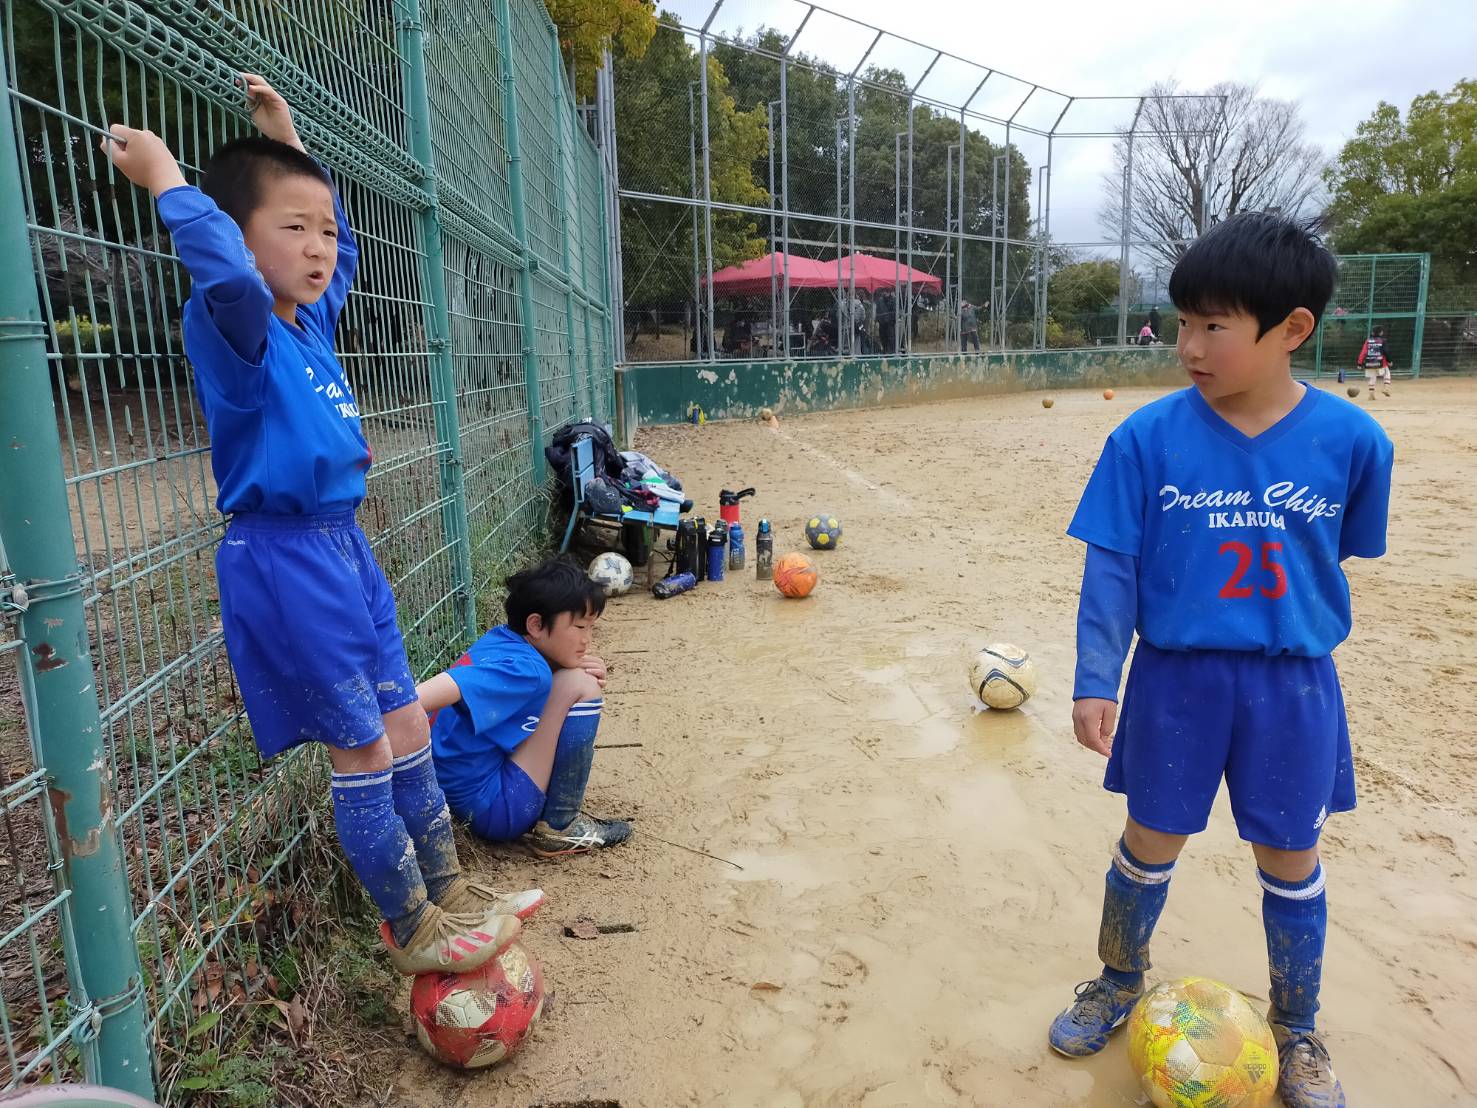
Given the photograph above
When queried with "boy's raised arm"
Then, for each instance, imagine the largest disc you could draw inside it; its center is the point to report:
(208, 241)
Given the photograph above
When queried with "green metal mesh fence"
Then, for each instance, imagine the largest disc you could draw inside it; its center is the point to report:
(455, 390)
(1373, 290)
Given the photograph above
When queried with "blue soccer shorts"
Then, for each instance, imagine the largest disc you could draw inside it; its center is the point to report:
(1273, 727)
(309, 623)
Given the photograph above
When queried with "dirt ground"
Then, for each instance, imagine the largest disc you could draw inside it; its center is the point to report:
(908, 890)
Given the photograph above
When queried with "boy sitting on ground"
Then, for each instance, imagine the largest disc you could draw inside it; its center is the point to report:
(513, 722)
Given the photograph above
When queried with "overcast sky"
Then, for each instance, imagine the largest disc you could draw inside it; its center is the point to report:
(1337, 59)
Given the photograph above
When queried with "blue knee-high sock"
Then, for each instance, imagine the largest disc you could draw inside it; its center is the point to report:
(379, 849)
(420, 802)
(572, 760)
(1134, 897)
(1295, 914)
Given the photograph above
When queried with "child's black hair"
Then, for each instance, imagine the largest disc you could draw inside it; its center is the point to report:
(237, 173)
(548, 589)
(1379, 332)
(1259, 263)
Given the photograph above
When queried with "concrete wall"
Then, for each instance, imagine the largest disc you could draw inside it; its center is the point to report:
(663, 393)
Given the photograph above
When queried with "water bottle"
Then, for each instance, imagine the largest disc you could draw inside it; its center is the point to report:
(735, 545)
(688, 552)
(717, 550)
(669, 587)
(702, 548)
(764, 552)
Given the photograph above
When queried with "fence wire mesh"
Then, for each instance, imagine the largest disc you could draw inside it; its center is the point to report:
(210, 836)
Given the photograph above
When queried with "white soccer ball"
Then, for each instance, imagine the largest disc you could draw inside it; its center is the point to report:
(1002, 676)
(612, 571)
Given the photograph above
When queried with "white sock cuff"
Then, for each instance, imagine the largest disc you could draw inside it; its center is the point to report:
(1313, 886)
(360, 780)
(411, 760)
(1131, 870)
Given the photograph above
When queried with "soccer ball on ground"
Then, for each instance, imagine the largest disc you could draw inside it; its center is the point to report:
(823, 531)
(1002, 676)
(1195, 1043)
(478, 1019)
(795, 575)
(612, 571)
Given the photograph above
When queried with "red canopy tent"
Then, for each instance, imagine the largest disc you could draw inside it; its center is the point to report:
(873, 273)
(752, 278)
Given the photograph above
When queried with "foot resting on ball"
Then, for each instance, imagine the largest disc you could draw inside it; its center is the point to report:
(581, 835)
(1099, 1010)
(469, 897)
(444, 942)
(1305, 1077)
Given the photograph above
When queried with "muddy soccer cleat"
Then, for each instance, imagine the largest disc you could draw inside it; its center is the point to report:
(1099, 1010)
(447, 943)
(1305, 1077)
(581, 835)
(470, 897)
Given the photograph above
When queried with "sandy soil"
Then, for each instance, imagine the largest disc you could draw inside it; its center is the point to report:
(911, 890)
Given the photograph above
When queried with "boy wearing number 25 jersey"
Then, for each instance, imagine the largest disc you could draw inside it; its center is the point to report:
(1215, 523)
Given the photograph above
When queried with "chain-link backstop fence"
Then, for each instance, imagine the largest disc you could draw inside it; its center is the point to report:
(144, 849)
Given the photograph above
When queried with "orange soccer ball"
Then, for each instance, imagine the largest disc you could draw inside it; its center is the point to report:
(1107, 394)
(795, 575)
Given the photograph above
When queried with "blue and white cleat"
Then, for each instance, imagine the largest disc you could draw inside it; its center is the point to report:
(1099, 1010)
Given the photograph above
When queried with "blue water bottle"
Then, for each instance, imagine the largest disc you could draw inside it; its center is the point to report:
(669, 587)
(735, 546)
(717, 551)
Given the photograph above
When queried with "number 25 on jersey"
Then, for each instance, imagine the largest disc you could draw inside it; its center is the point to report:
(1235, 589)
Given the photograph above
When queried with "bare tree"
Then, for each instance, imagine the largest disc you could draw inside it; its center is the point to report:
(1205, 157)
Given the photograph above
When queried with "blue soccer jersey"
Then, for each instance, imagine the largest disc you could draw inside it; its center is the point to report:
(1239, 539)
(284, 425)
(504, 684)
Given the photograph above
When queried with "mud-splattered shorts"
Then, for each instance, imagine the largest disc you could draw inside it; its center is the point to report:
(309, 623)
(1274, 727)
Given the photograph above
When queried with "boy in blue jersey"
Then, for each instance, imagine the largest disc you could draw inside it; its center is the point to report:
(513, 721)
(1215, 522)
(307, 616)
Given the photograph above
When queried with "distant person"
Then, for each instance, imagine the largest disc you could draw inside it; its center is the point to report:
(1154, 322)
(887, 321)
(1216, 523)
(1146, 335)
(969, 326)
(1372, 357)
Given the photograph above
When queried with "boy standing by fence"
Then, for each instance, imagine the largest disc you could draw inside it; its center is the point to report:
(1216, 521)
(307, 615)
(1376, 365)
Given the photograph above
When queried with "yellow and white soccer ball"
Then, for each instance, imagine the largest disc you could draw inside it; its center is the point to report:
(613, 572)
(1002, 676)
(1195, 1043)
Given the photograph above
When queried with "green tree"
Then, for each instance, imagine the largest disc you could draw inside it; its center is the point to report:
(1410, 184)
(1090, 286)
(587, 28)
(654, 134)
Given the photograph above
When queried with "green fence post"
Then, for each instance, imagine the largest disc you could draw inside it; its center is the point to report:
(438, 322)
(1420, 317)
(36, 523)
(608, 314)
(566, 198)
(520, 231)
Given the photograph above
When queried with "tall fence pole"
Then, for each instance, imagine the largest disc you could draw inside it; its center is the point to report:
(70, 741)
(1420, 317)
(438, 323)
(520, 231)
(708, 190)
(564, 152)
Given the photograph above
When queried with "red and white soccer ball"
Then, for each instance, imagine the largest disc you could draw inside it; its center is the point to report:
(477, 1019)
